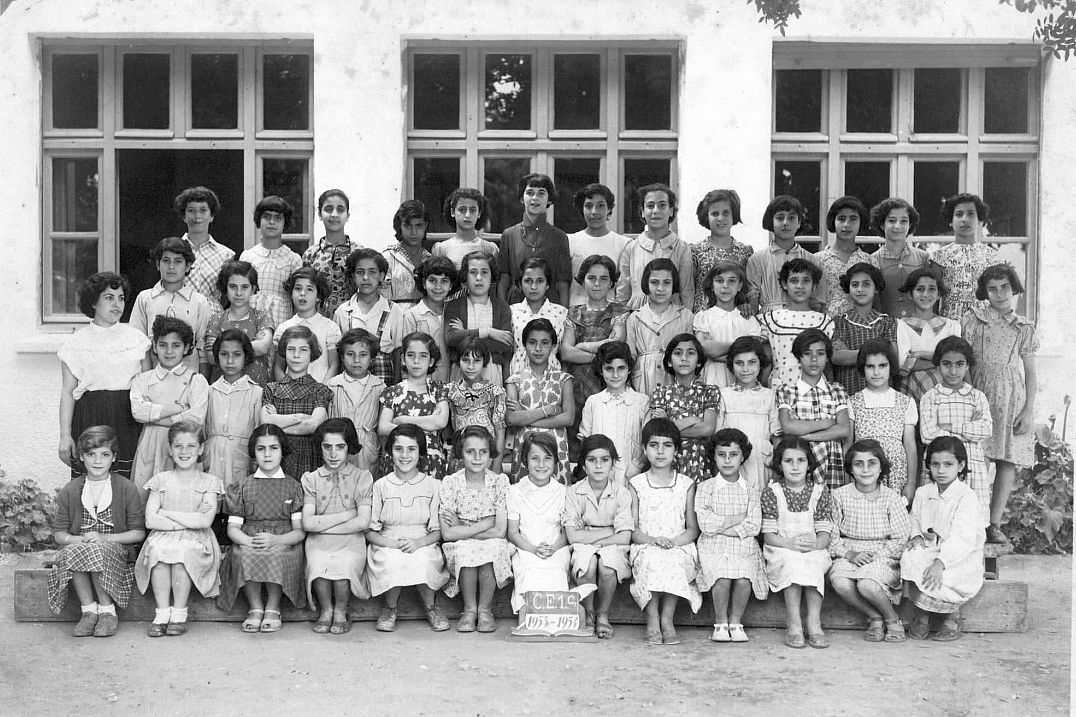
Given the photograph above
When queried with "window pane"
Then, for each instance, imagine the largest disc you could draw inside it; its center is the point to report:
(74, 91)
(933, 182)
(287, 178)
(937, 101)
(508, 91)
(577, 88)
(870, 101)
(74, 195)
(146, 91)
(1005, 106)
(501, 180)
(436, 92)
(648, 92)
(802, 180)
(435, 179)
(798, 100)
(73, 261)
(639, 173)
(570, 174)
(287, 91)
(867, 181)
(214, 91)
(1005, 190)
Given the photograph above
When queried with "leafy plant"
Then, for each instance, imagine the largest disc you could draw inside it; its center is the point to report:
(1039, 514)
(26, 511)
(1055, 26)
(777, 11)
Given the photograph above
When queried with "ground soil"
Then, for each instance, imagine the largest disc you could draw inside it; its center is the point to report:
(216, 669)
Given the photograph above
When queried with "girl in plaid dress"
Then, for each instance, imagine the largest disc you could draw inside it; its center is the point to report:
(265, 525)
(297, 403)
(816, 410)
(473, 400)
(858, 325)
(689, 403)
(871, 526)
(730, 516)
(98, 520)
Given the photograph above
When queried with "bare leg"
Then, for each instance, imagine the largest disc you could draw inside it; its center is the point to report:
(814, 611)
(84, 588)
(793, 621)
(469, 589)
(668, 611)
(160, 577)
(274, 593)
(873, 593)
(181, 585)
(392, 597)
(341, 596)
(720, 594)
(487, 584)
(1004, 477)
(741, 593)
(847, 589)
(253, 593)
(589, 578)
(607, 583)
(653, 622)
(425, 594)
(323, 591)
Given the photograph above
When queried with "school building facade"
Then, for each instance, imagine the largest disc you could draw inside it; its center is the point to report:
(110, 108)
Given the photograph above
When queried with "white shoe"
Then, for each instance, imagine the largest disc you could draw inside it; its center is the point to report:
(736, 633)
(721, 633)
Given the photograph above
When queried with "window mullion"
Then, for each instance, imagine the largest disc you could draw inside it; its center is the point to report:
(975, 97)
(251, 92)
(473, 75)
(181, 109)
(542, 96)
(831, 177)
(612, 131)
(108, 252)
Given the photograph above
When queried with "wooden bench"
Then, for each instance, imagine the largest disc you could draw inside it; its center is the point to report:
(1001, 606)
(991, 551)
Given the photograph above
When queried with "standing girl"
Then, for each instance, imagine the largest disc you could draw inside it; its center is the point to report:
(782, 325)
(418, 400)
(368, 309)
(436, 279)
(729, 514)
(534, 281)
(308, 290)
(919, 332)
(796, 526)
(598, 523)
(689, 403)
(719, 211)
(409, 222)
(1005, 344)
(896, 220)
(357, 393)
(404, 534)
(480, 314)
(871, 527)
(858, 325)
(272, 258)
(265, 525)
(473, 400)
(540, 399)
(619, 411)
(336, 512)
(234, 403)
(98, 521)
(466, 211)
(845, 218)
(943, 566)
(962, 262)
(330, 254)
(238, 283)
(751, 407)
(881, 413)
(473, 518)
(164, 396)
(181, 549)
(649, 328)
(540, 556)
(722, 323)
(297, 403)
(664, 561)
(97, 365)
(658, 207)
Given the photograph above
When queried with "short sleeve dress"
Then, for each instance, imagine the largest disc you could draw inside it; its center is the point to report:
(678, 401)
(883, 417)
(521, 316)
(402, 401)
(717, 324)
(261, 503)
(196, 548)
(232, 416)
(330, 260)
(298, 395)
(251, 324)
(754, 411)
(875, 523)
(591, 326)
(853, 330)
(781, 327)
(337, 557)
(961, 266)
(662, 511)
(405, 509)
(538, 510)
(823, 401)
(703, 257)
(469, 506)
(535, 391)
(612, 509)
(918, 335)
(648, 334)
(730, 557)
(789, 513)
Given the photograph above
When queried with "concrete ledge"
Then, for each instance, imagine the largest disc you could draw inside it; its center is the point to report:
(1001, 606)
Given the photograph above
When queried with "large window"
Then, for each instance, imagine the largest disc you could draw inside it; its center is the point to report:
(483, 115)
(126, 128)
(921, 122)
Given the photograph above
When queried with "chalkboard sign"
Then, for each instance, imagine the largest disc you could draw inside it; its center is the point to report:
(553, 615)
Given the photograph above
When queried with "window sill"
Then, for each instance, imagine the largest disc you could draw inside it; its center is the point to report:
(40, 343)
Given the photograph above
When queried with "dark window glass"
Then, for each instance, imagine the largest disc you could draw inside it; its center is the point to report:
(287, 178)
(870, 101)
(146, 91)
(74, 91)
(215, 91)
(802, 180)
(1005, 190)
(637, 174)
(73, 261)
(798, 100)
(648, 83)
(74, 195)
(501, 181)
(868, 182)
(1005, 104)
(570, 174)
(435, 179)
(933, 182)
(436, 92)
(937, 101)
(577, 91)
(508, 91)
(287, 91)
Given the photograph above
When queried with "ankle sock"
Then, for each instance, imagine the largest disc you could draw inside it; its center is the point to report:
(179, 614)
(162, 615)
(91, 609)
(106, 609)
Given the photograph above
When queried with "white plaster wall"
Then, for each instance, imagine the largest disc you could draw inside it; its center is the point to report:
(725, 99)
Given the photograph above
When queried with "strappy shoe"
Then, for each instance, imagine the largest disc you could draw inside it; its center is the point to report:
(271, 623)
(875, 631)
(253, 622)
(721, 633)
(948, 632)
(894, 631)
(736, 633)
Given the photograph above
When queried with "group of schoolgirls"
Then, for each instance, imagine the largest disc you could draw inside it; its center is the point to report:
(460, 524)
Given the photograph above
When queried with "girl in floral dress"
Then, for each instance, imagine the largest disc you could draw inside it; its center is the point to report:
(238, 284)
(689, 403)
(781, 326)
(535, 281)
(963, 261)
(329, 255)
(718, 211)
(654, 323)
(541, 398)
(417, 400)
(473, 400)
(751, 407)
(919, 332)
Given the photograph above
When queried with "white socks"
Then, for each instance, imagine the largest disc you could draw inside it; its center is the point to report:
(162, 616)
(91, 609)
(106, 609)
(179, 614)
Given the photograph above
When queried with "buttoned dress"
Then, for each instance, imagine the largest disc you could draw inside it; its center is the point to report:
(612, 509)
(969, 415)
(648, 333)
(151, 392)
(405, 509)
(780, 328)
(620, 417)
(876, 523)
(895, 268)
(764, 268)
(642, 250)
(343, 556)
(359, 400)
(231, 418)
(754, 411)
(823, 401)
(185, 303)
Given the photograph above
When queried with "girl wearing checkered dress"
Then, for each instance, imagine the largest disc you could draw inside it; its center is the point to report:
(859, 324)
(97, 522)
(816, 410)
(870, 528)
(368, 309)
